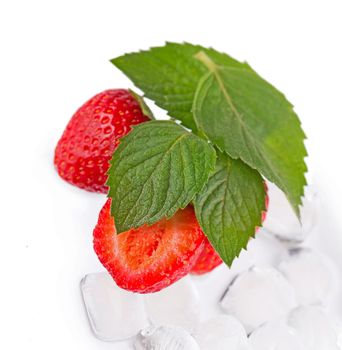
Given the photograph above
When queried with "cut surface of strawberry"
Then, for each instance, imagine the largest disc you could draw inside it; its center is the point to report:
(149, 258)
(83, 152)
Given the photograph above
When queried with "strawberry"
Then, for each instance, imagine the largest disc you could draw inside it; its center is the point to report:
(87, 144)
(149, 258)
(209, 259)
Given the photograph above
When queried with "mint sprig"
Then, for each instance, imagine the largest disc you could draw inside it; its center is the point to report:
(229, 207)
(160, 167)
(157, 169)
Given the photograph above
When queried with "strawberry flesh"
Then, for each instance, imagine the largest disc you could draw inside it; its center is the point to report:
(149, 258)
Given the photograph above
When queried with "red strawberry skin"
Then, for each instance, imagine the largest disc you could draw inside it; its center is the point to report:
(150, 258)
(209, 259)
(83, 152)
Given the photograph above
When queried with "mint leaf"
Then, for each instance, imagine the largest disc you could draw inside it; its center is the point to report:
(248, 118)
(169, 75)
(230, 206)
(158, 168)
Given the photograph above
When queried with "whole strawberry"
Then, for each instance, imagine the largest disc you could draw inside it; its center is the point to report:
(82, 154)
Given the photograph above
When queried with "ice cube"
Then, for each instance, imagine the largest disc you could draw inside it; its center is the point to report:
(281, 220)
(113, 313)
(258, 296)
(221, 332)
(178, 305)
(165, 338)
(275, 335)
(265, 250)
(309, 273)
(339, 336)
(313, 327)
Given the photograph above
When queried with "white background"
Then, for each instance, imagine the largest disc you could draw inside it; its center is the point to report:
(54, 56)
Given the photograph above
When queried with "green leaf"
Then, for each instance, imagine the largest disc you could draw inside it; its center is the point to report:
(169, 75)
(249, 119)
(158, 168)
(230, 206)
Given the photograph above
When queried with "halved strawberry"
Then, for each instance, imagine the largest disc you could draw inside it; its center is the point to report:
(149, 258)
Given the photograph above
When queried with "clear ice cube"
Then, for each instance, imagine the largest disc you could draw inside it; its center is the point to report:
(265, 250)
(313, 327)
(310, 274)
(114, 314)
(178, 305)
(275, 335)
(281, 220)
(165, 338)
(222, 332)
(258, 296)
